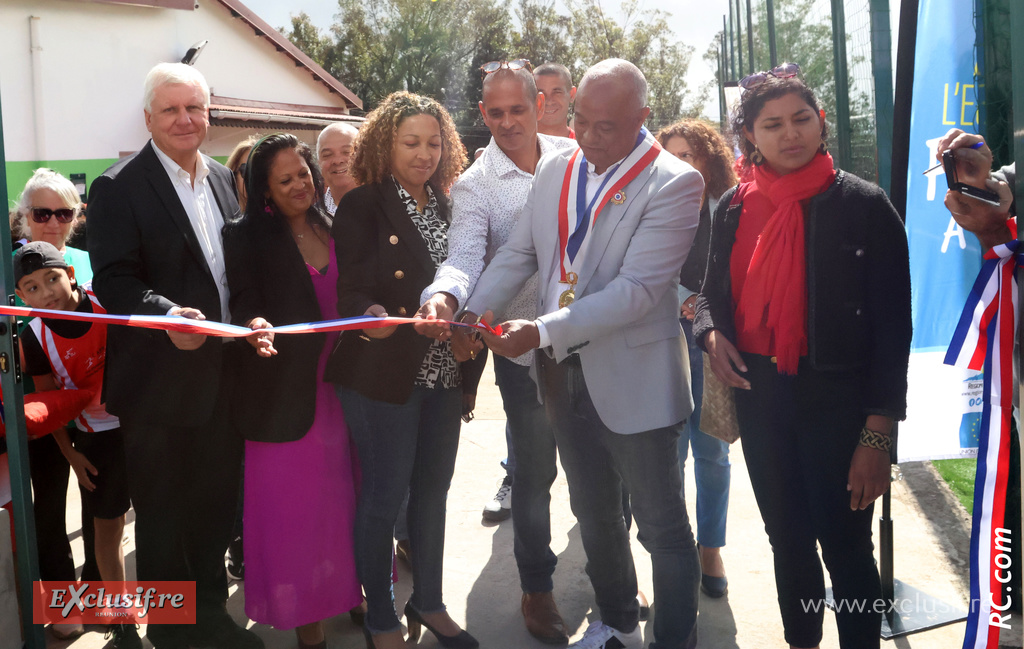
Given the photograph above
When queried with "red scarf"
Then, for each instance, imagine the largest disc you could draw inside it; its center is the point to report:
(775, 291)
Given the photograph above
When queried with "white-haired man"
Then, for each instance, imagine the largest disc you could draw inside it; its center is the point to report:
(155, 243)
(333, 151)
(607, 229)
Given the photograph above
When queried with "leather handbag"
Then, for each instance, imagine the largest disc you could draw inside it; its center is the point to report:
(718, 409)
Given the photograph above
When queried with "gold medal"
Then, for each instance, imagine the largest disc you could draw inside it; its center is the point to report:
(568, 296)
(619, 197)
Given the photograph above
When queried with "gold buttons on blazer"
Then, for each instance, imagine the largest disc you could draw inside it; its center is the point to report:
(399, 274)
(393, 240)
(401, 310)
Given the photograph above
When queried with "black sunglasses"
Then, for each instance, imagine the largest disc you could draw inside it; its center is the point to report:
(783, 71)
(242, 169)
(494, 66)
(43, 214)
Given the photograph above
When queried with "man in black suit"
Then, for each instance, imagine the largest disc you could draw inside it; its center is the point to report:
(155, 243)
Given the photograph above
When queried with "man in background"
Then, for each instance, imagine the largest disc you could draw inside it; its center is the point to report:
(333, 151)
(554, 80)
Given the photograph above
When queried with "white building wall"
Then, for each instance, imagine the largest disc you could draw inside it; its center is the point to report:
(94, 58)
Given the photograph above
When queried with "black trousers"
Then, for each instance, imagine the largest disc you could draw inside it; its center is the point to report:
(50, 473)
(799, 434)
(183, 483)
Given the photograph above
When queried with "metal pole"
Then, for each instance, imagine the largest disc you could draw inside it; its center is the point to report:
(750, 38)
(902, 105)
(732, 51)
(17, 439)
(842, 84)
(881, 70)
(725, 49)
(773, 55)
(721, 94)
(739, 38)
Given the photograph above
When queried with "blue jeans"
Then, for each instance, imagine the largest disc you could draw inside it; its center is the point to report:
(597, 464)
(533, 471)
(403, 449)
(711, 468)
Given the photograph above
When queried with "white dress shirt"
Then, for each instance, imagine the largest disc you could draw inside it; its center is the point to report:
(204, 215)
(486, 202)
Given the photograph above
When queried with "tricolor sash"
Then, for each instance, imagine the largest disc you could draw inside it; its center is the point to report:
(984, 339)
(576, 218)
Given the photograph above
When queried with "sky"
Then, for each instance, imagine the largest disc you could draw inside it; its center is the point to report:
(695, 22)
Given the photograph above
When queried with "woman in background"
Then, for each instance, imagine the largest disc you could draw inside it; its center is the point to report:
(698, 143)
(237, 164)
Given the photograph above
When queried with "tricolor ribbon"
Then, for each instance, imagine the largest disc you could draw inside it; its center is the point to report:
(573, 211)
(983, 339)
(221, 330)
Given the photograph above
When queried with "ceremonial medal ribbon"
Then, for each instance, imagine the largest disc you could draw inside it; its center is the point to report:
(984, 339)
(576, 218)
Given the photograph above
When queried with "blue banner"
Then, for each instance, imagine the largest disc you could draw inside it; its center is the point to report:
(944, 404)
(944, 259)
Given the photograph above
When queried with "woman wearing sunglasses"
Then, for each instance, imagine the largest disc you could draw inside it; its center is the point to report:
(699, 144)
(48, 210)
(805, 310)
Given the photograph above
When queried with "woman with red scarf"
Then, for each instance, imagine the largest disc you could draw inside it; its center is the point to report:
(805, 312)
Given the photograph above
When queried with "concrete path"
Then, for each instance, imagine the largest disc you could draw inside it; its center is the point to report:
(481, 584)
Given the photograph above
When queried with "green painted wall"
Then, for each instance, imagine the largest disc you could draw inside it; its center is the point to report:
(18, 173)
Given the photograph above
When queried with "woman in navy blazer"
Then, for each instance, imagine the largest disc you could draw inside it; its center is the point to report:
(401, 392)
(299, 468)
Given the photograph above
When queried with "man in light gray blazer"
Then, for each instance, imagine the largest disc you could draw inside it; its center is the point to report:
(612, 369)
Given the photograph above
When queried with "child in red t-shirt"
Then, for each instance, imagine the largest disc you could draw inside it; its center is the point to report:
(70, 355)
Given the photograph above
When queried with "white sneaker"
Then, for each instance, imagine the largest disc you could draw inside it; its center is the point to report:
(500, 507)
(601, 636)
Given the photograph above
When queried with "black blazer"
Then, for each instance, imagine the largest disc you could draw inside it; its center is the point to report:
(858, 288)
(145, 260)
(274, 398)
(382, 260)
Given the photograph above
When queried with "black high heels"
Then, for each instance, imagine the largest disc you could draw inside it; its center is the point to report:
(414, 621)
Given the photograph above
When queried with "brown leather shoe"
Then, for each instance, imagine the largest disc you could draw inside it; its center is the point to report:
(543, 620)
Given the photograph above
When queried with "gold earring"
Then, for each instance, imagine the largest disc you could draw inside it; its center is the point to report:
(757, 157)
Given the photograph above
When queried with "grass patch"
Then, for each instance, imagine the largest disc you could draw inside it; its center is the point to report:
(959, 474)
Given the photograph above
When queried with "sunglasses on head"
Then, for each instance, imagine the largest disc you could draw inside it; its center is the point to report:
(783, 71)
(43, 214)
(494, 66)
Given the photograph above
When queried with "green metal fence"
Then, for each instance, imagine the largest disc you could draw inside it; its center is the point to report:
(804, 33)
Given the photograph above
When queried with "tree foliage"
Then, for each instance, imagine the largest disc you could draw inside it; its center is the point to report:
(376, 47)
(804, 36)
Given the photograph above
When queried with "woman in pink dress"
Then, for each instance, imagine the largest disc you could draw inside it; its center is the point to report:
(300, 484)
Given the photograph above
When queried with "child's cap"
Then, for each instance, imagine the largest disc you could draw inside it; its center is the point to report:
(35, 256)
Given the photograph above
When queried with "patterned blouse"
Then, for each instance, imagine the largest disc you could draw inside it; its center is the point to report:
(439, 369)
